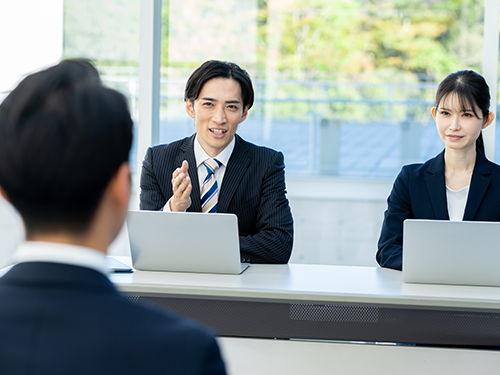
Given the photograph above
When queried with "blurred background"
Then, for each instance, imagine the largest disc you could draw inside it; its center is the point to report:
(343, 88)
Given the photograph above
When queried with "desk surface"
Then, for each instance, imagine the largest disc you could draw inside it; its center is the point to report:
(311, 283)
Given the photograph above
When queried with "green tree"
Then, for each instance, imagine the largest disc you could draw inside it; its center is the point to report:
(430, 38)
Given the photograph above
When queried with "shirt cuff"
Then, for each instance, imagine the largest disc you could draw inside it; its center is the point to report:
(166, 208)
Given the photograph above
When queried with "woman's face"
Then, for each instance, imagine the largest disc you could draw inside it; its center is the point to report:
(458, 127)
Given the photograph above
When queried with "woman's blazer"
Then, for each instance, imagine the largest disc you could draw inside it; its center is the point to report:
(419, 192)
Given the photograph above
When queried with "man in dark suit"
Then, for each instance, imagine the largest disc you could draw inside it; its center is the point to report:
(64, 146)
(215, 170)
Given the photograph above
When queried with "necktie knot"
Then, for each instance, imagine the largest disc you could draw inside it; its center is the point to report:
(212, 165)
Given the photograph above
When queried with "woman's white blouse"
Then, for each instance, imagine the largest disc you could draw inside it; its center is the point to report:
(457, 199)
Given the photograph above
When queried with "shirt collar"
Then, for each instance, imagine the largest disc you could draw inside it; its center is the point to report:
(200, 154)
(38, 251)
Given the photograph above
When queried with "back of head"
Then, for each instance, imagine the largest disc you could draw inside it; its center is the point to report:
(471, 90)
(62, 137)
(219, 69)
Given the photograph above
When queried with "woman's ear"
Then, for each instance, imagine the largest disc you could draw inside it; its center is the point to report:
(488, 120)
(433, 113)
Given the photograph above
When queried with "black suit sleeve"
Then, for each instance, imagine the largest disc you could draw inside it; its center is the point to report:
(212, 362)
(151, 197)
(273, 240)
(390, 244)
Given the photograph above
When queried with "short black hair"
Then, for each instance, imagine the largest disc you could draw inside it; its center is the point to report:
(219, 69)
(63, 135)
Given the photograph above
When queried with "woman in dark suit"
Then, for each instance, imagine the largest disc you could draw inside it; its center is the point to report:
(459, 183)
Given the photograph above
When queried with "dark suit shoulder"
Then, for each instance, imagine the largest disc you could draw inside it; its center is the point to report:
(416, 168)
(409, 173)
(257, 149)
(495, 169)
(172, 147)
(260, 155)
(419, 171)
(58, 303)
(431, 164)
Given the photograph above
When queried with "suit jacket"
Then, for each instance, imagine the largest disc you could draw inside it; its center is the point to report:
(419, 192)
(65, 319)
(253, 188)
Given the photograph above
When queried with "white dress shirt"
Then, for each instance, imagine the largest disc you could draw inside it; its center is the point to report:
(38, 251)
(200, 155)
(457, 200)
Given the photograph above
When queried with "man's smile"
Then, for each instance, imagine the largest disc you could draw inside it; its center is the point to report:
(218, 131)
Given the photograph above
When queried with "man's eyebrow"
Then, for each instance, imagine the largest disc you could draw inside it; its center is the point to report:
(227, 102)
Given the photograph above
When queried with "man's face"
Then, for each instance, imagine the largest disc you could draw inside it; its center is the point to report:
(217, 112)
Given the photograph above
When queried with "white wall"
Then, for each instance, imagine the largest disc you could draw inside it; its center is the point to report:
(336, 221)
(31, 37)
(11, 232)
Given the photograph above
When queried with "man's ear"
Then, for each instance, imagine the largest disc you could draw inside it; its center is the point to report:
(3, 194)
(113, 207)
(244, 115)
(190, 108)
(119, 186)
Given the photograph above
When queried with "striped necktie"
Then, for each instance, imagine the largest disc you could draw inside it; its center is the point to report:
(210, 190)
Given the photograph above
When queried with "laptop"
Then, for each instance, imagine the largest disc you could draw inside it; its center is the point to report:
(114, 265)
(184, 242)
(451, 252)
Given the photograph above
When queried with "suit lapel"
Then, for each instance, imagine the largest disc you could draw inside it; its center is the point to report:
(478, 186)
(436, 187)
(187, 153)
(235, 170)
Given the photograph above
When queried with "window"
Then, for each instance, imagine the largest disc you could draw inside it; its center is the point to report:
(343, 88)
(108, 34)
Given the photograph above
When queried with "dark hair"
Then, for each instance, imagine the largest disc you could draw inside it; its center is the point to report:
(219, 69)
(472, 90)
(63, 135)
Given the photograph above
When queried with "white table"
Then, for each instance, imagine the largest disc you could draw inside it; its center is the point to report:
(317, 302)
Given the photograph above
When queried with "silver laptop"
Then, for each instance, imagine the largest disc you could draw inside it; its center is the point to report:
(451, 252)
(184, 242)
